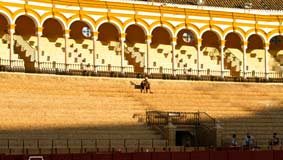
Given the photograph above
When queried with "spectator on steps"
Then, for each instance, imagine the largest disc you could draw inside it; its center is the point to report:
(234, 142)
(274, 142)
(248, 141)
(145, 86)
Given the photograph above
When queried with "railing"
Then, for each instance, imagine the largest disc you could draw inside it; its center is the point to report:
(179, 118)
(81, 143)
(128, 71)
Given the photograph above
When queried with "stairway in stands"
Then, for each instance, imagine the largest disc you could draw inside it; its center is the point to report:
(232, 62)
(25, 52)
(135, 58)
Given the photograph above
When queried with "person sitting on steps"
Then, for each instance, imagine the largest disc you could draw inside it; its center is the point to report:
(145, 86)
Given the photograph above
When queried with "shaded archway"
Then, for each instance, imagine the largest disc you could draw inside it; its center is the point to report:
(80, 45)
(4, 32)
(53, 42)
(276, 53)
(4, 25)
(52, 29)
(186, 37)
(210, 59)
(108, 46)
(25, 27)
(160, 35)
(186, 50)
(255, 56)
(135, 48)
(26, 41)
(161, 50)
(108, 32)
(233, 54)
(76, 31)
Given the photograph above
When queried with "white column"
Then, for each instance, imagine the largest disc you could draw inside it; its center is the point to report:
(266, 61)
(66, 48)
(146, 56)
(122, 41)
(94, 38)
(244, 47)
(12, 31)
(39, 34)
(173, 43)
(198, 55)
(222, 46)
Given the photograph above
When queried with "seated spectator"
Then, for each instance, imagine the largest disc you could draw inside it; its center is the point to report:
(234, 142)
(248, 141)
(274, 141)
(145, 86)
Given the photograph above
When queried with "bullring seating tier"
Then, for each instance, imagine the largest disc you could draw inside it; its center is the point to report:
(62, 107)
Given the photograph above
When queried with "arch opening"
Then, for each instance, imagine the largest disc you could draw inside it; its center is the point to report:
(255, 56)
(135, 48)
(52, 29)
(26, 42)
(186, 50)
(276, 51)
(186, 37)
(210, 39)
(79, 31)
(210, 58)
(233, 55)
(4, 26)
(108, 32)
(135, 34)
(255, 42)
(161, 50)
(160, 35)
(25, 27)
(233, 40)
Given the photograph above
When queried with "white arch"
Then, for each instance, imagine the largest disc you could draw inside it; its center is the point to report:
(6, 15)
(169, 30)
(187, 28)
(213, 30)
(262, 36)
(33, 18)
(242, 37)
(82, 20)
(117, 26)
(138, 24)
(58, 19)
(274, 35)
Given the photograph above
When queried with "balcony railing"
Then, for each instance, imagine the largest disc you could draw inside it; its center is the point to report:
(128, 71)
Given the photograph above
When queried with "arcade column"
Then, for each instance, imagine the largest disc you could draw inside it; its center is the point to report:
(146, 56)
(244, 47)
(266, 60)
(122, 41)
(198, 56)
(173, 43)
(11, 32)
(39, 34)
(67, 35)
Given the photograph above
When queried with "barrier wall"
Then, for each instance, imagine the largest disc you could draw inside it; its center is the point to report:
(195, 155)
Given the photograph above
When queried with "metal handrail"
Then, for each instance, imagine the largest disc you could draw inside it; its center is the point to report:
(80, 143)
